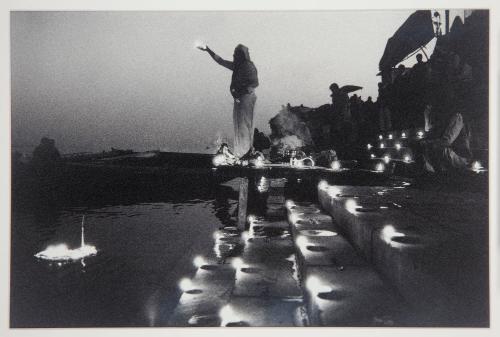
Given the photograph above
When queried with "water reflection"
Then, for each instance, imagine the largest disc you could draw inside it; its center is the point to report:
(145, 246)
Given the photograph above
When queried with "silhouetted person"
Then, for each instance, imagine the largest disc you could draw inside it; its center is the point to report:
(46, 154)
(260, 140)
(243, 84)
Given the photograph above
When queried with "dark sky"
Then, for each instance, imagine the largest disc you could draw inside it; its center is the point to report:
(96, 80)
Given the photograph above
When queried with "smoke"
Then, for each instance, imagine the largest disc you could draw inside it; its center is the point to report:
(288, 142)
(289, 130)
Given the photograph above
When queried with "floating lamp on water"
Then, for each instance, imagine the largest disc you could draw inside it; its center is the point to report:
(380, 137)
(420, 134)
(398, 146)
(387, 159)
(251, 218)
(390, 136)
(382, 145)
(61, 252)
(259, 162)
(336, 165)
(407, 158)
(290, 203)
(403, 134)
(369, 146)
(372, 155)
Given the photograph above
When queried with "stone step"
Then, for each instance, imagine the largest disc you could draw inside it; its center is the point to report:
(261, 312)
(343, 289)
(204, 296)
(353, 296)
(417, 251)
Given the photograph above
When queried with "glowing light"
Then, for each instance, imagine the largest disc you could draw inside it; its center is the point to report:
(403, 135)
(336, 165)
(407, 158)
(315, 286)
(380, 137)
(369, 146)
(217, 235)
(387, 159)
(263, 185)
(219, 159)
(237, 263)
(290, 203)
(323, 185)
(259, 162)
(382, 145)
(398, 146)
(379, 167)
(372, 156)
(199, 261)
(476, 166)
(245, 235)
(334, 191)
(251, 218)
(228, 315)
(61, 252)
(420, 134)
(199, 44)
(390, 136)
(294, 218)
(389, 232)
(301, 241)
(351, 206)
(185, 284)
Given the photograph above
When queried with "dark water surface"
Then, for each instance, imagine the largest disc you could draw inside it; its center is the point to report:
(144, 248)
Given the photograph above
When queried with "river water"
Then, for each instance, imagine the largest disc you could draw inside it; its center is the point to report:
(144, 249)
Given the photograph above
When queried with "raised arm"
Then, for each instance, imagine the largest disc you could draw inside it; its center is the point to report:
(217, 58)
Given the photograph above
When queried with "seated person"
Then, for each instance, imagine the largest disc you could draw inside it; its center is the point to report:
(448, 145)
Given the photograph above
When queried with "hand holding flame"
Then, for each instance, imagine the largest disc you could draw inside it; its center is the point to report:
(200, 45)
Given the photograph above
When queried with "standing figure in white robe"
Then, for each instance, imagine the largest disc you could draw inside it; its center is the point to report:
(243, 84)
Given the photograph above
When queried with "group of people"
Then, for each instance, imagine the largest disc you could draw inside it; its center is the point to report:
(434, 96)
(431, 95)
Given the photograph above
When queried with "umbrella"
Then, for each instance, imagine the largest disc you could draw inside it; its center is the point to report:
(350, 88)
(415, 32)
